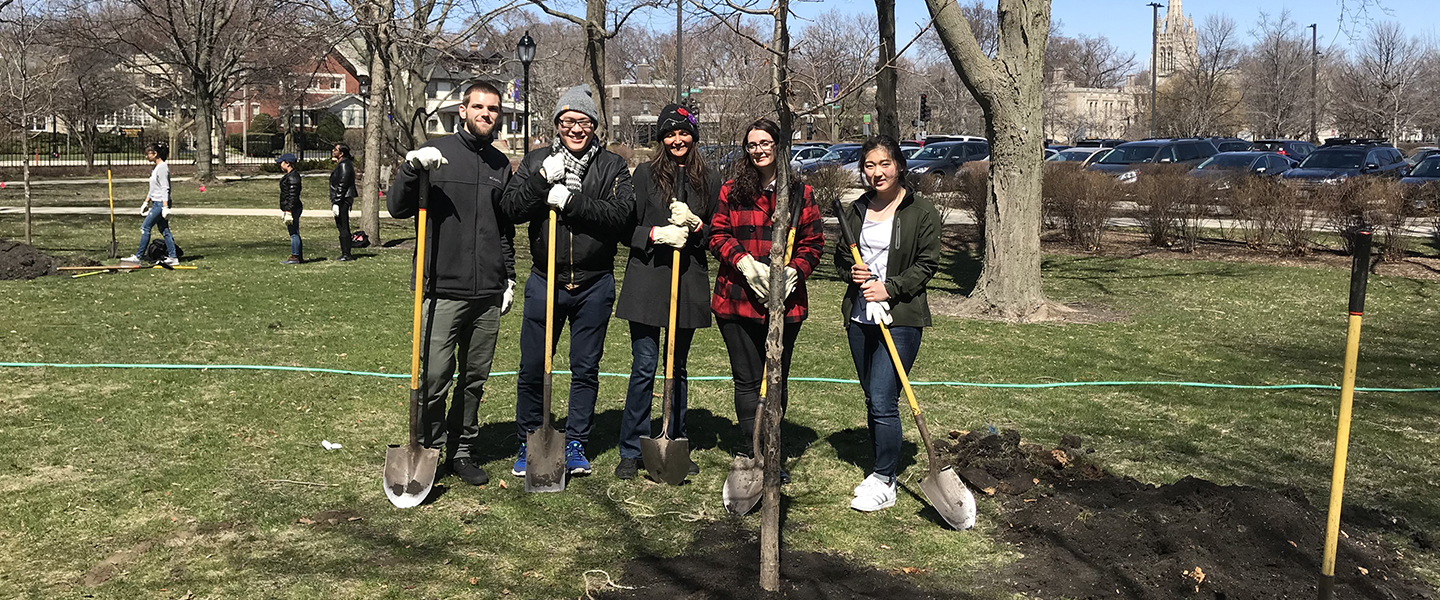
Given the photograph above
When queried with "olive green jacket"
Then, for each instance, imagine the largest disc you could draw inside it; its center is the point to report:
(914, 258)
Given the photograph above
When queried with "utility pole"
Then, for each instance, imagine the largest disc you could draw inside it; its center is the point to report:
(1154, 63)
(1314, 60)
(678, 16)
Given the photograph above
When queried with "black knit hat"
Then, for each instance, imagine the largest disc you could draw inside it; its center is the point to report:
(674, 117)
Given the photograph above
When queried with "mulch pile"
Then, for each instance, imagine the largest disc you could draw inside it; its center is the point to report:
(23, 261)
(1086, 533)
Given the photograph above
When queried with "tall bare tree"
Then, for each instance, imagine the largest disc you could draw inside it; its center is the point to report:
(1380, 87)
(29, 67)
(1091, 62)
(1276, 73)
(600, 25)
(90, 89)
(1203, 96)
(1009, 91)
(887, 76)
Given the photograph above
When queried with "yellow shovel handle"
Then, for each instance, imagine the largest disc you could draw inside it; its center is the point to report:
(890, 345)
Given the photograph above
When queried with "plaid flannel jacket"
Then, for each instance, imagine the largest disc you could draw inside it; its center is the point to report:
(736, 231)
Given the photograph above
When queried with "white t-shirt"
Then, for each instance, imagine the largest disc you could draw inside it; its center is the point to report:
(160, 184)
(874, 246)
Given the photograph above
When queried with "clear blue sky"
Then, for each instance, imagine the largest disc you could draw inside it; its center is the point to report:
(1127, 23)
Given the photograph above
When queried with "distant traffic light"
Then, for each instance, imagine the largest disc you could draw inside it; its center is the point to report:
(924, 107)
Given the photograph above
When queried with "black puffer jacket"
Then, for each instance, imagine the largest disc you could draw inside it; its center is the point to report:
(342, 181)
(592, 224)
(470, 248)
(644, 297)
(290, 191)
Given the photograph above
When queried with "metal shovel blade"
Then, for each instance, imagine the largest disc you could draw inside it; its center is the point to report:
(950, 498)
(667, 460)
(545, 460)
(409, 474)
(744, 484)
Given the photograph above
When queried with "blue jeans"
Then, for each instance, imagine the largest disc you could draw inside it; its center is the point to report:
(588, 311)
(151, 220)
(645, 351)
(296, 248)
(882, 386)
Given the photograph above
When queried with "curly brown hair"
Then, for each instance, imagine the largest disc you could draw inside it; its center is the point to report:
(748, 185)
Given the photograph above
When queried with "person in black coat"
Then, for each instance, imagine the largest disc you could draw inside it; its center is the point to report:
(667, 216)
(290, 206)
(342, 195)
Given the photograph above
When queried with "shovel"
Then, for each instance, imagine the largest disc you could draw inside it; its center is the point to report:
(745, 483)
(114, 245)
(410, 469)
(668, 459)
(942, 487)
(545, 447)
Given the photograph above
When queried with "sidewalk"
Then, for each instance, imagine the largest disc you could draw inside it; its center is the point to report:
(35, 183)
(208, 212)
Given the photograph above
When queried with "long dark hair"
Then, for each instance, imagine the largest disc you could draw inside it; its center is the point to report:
(891, 147)
(748, 185)
(662, 168)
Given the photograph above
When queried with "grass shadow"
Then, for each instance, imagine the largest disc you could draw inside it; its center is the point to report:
(854, 446)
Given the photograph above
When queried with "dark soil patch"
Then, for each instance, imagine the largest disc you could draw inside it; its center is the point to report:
(724, 564)
(1086, 533)
(22, 261)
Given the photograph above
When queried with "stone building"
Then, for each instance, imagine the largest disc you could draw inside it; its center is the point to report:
(1073, 113)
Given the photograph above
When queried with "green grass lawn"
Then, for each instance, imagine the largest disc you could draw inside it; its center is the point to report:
(245, 193)
(121, 483)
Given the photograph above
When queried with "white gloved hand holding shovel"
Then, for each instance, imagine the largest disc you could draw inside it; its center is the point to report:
(756, 275)
(553, 168)
(428, 158)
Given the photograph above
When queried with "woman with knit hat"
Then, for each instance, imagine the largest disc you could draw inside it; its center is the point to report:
(669, 215)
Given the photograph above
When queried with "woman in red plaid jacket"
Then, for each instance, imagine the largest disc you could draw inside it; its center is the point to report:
(740, 234)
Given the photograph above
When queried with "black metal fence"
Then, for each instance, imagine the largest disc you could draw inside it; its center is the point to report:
(59, 149)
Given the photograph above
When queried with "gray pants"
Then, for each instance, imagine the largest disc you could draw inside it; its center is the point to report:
(464, 333)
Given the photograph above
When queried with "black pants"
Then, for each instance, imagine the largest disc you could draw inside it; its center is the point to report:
(745, 342)
(342, 223)
(588, 310)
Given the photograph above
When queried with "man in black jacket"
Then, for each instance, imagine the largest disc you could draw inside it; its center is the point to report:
(342, 195)
(470, 264)
(591, 189)
(290, 207)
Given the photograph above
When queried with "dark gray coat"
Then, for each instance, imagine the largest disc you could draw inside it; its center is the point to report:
(645, 295)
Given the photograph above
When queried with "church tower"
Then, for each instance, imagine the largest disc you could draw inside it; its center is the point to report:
(1175, 47)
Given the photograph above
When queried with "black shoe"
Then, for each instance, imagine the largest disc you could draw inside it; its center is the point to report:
(627, 469)
(345, 258)
(694, 469)
(468, 471)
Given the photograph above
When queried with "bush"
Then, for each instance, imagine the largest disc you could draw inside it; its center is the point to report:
(1079, 202)
(1382, 204)
(828, 184)
(263, 123)
(330, 129)
(1159, 205)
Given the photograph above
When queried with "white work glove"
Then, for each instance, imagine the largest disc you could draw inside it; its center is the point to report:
(680, 215)
(756, 275)
(670, 235)
(509, 299)
(559, 195)
(335, 209)
(553, 168)
(792, 280)
(878, 312)
(164, 212)
(145, 208)
(286, 217)
(428, 158)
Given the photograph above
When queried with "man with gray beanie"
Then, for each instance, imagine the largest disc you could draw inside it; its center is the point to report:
(590, 189)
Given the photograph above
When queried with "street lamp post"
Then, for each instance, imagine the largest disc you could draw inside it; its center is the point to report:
(1154, 61)
(1314, 54)
(525, 50)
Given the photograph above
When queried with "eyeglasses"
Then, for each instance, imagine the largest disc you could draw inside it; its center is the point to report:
(584, 124)
(765, 145)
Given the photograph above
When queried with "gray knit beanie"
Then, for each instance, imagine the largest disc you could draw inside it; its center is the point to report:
(578, 99)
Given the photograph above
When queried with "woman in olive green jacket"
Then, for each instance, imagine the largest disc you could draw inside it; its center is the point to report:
(899, 241)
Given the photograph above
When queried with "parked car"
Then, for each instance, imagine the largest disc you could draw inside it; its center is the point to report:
(1295, 149)
(1073, 155)
(1224, 168)
(1342, 158)
(1099, 143)
(1427, 171)
(932, 139)
(1099, 155)
(804, 155)
(944, 158)
(837, 155)
(1420, 154)
(1229, 144)
(1059, 147)
(1125, 158)
(721, 156)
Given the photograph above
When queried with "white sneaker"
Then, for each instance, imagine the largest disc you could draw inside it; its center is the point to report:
(170, 261)
(133, 259)
(875, 497)
(872, 481)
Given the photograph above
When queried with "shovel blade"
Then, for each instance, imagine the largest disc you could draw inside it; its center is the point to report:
(114, 249)
(950, 498)
(545, 461)
(667, 460)
(409, 474)
(744, 485)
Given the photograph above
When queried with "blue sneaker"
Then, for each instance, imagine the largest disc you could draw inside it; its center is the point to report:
(575, 458)
(519, 469)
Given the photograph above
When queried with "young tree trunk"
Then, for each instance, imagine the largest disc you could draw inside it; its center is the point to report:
(595, 63)
(774, 335)
(1008, 89)
(204, 128)
(87, 142)
(370, 183)
(25, 174)
(887, 117)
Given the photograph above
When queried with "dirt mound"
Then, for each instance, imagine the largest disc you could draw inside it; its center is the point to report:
(1086, 533)
(23, 261)
(724, 563)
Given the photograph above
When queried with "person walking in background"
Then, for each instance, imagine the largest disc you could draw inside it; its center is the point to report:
(156, 208)
(740, 238)
(664, 220)
(899, 241)
(591, 191)
(290, 206)
(470, 273)
(342, 195)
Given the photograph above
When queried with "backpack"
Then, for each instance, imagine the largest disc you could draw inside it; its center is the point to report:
(359, 240)
(156, 251)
